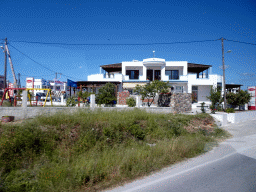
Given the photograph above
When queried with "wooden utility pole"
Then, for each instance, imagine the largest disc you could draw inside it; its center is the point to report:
(223, 65)
(5, 63)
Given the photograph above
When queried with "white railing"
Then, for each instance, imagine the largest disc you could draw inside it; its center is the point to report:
(101, 77)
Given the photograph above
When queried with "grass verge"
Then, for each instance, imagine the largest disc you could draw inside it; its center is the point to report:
(95, 150)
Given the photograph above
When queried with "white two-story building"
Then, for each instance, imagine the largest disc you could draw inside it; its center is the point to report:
(183, 77)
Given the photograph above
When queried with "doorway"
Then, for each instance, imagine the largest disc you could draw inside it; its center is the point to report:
(150, 74)
(157, 75)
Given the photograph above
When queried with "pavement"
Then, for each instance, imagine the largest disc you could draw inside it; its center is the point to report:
(231, 166)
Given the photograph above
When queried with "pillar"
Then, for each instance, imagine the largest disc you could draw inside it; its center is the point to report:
(138, 100)
(92, 100)
(24, 103)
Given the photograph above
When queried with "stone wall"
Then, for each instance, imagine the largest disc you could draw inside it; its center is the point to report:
(181, 102)
(121, 97)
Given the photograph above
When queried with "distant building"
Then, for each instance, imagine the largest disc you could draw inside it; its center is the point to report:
(56, 86)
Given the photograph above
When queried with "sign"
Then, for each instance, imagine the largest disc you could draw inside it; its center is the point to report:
(252, 103)
(29, 82)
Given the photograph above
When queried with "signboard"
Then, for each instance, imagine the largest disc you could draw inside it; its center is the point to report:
(11, 91)
(29, 82)
(252, 103)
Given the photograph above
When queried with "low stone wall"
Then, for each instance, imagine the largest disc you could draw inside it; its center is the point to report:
(31, 112)
(181, 102)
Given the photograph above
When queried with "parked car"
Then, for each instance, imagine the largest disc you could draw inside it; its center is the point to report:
(42, 96)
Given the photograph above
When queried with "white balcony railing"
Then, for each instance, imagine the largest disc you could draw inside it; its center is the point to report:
(102, 77)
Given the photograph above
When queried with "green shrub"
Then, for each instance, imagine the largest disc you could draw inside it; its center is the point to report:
(131, 102)
(230, 110)
(71, 102)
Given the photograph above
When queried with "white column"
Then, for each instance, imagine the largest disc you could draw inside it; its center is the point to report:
(62, 99)
(92, 100)
(189, 88)
(24, 103)
(138, 100)
(163, 73)
(144, 73)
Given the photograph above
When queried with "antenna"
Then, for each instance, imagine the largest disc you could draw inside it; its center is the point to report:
(153, 54)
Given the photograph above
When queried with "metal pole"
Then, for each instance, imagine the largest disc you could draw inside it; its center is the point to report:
(223, 65)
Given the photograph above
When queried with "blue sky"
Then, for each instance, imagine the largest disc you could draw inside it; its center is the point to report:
(127, 22)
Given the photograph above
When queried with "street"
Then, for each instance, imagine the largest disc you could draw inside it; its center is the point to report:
(229, 167)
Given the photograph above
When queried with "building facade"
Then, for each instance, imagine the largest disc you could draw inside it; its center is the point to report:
(183, 77)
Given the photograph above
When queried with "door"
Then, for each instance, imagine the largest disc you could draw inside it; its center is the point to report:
(150, 74)
(157, 75)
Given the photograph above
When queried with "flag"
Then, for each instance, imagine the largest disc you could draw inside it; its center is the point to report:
(71, 83)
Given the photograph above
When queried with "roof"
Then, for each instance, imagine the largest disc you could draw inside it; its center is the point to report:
(112, 67)
(192, 67)
(197, 68)
(231, 86)
(94, 83)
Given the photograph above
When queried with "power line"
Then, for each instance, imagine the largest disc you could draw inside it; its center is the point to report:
(240, 42)
(39, 63)
(112, 44)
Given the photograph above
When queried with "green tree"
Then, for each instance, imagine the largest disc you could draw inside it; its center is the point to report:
(106, 94)
(238, 99)
(215, 98)
(150, 90)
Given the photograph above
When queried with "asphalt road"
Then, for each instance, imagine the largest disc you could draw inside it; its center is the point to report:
(229, 167)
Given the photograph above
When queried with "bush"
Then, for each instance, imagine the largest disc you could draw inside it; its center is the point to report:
(131, 102)
(230, 110)
(71, 102)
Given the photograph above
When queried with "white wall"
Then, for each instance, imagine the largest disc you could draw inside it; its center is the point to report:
(203, 92)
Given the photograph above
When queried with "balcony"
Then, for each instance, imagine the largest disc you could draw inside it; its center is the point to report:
(181, 78)
(103, 77)
(211, 80)
(126, 78)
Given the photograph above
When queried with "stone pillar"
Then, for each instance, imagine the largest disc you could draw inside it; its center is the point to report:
(24, 103)
(138, 100)
(92, 100)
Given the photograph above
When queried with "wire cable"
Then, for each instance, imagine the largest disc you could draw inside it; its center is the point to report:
(112, 44)
(38, 62)
(240, 42)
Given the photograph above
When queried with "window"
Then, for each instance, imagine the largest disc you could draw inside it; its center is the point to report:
(173, 74)
(133, 74)
(179, 89)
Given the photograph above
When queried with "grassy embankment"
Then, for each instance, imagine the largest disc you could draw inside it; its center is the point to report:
(89, 151)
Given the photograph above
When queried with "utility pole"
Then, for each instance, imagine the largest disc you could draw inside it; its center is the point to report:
(223, 65)
(5, 63)
(19, 86)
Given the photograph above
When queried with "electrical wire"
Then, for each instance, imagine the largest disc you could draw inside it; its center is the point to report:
(241, 42)
(38, 62)
(112, 44)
